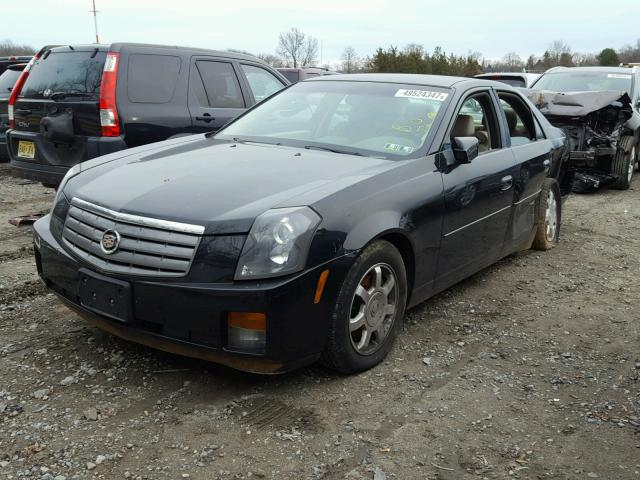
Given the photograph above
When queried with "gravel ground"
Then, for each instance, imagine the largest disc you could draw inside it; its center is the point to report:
(529, 369)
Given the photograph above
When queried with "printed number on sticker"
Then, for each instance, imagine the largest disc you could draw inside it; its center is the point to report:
(424, 94)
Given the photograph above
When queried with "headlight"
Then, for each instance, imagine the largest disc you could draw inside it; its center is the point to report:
(278, 243)
(72, 172)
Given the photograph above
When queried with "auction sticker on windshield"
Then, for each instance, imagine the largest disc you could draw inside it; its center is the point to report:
(424, 94)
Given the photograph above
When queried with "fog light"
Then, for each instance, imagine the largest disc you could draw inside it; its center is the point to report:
(247, 331)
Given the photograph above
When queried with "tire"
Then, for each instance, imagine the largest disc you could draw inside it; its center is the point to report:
(623, 163)
(346, 351)
(548, 218)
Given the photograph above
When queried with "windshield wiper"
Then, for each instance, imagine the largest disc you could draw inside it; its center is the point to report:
(333, 150)
(61, 95)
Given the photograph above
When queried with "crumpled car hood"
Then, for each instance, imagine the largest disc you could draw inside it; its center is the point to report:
(575, 104)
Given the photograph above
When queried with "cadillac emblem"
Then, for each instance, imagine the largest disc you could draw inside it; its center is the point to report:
(110, 241)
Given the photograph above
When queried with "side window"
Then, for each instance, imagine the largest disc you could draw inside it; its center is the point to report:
(220, 84)
(152, 78)
(477, 118)
(261, 82)
(520, 122)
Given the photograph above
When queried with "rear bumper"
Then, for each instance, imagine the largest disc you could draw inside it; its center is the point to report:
(191, 318)
(51, 160)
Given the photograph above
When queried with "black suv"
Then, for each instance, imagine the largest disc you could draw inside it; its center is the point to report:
(299, 74)
(7, 80)
(79, 102)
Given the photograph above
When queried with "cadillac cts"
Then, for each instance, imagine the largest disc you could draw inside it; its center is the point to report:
(306, 227)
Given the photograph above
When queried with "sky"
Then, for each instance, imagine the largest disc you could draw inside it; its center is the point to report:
(491, 27)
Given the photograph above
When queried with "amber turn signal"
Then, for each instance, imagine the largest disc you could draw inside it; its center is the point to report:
(320, 288)
(248, 320)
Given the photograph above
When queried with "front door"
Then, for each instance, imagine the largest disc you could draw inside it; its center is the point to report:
(478, 196)
(215, 96)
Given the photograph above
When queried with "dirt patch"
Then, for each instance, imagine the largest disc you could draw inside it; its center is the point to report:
(530, 369)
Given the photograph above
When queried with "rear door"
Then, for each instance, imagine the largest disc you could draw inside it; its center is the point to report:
(532, 153)
(215, 95)
(478, 195)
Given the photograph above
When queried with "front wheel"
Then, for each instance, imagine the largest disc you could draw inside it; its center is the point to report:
(369, 311)
(548, 216)
(624, 162)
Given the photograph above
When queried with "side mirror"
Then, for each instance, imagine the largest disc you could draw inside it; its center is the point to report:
(465, 149)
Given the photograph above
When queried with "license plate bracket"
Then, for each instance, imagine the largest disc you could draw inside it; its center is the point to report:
(106, 296)
(26, 149)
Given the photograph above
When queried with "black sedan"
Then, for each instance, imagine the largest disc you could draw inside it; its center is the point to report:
(306, 227)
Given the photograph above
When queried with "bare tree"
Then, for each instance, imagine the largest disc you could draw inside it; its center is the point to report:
(512, 62)
(630, 53)
(7, 47)
(350, 60)
(297, 48)
(560, 53)
(273, 60)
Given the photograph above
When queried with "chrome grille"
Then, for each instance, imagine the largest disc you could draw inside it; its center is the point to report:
(148, 246)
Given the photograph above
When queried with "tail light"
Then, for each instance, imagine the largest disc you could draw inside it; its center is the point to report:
(108, 112)
(17, 87)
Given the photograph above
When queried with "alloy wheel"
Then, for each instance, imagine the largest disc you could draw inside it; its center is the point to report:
(551, 216)
(373, 309)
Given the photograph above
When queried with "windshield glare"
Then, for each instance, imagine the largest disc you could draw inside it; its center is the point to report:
(374, 119)
(73, 71)
(584, 82)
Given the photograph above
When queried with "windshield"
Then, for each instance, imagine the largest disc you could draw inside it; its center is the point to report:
(576, 81)
(69, 71)
(375, 119)
(7, 80)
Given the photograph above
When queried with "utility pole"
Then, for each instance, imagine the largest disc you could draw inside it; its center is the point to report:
(95, 19)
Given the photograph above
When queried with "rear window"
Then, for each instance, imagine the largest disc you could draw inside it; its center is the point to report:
(72, 71)
(292, 76)
(7, 81)
(152, 78)
(513, 81)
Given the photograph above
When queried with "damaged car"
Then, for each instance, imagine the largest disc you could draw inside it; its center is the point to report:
(598, 109)
(303, 229)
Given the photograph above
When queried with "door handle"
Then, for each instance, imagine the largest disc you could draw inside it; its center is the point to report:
(205, 118)
(507, 183)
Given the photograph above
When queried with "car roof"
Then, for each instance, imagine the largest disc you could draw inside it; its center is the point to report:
(325, 71)
(116, 47)
(442, 81)
(501, 74)
(589, 69)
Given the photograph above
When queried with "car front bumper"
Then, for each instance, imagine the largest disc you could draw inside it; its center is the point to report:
(190, 319)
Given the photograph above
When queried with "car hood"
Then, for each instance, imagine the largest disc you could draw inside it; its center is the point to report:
(223, 186)
(576, 104)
